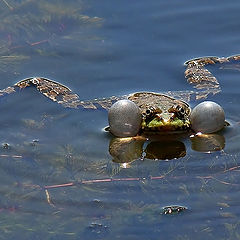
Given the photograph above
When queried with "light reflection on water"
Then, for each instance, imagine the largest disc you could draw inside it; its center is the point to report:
(139, 47)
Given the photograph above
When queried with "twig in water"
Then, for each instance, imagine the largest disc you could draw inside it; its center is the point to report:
(8, 5)
(100, 181)
(49, 198)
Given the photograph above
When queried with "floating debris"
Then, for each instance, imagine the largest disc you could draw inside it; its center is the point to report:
(173, 209)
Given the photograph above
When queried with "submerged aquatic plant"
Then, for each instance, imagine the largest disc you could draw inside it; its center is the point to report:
(8, 58)
(31, 26)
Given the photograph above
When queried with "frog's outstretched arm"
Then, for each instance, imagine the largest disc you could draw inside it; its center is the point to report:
(196, 74)
(202, 79)
(59, 93)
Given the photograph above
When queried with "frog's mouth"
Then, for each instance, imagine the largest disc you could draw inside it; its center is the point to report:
(158, 125)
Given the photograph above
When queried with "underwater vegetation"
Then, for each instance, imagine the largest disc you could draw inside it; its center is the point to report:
(31, 27)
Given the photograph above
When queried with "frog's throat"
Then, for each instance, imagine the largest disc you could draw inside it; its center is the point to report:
(170, 125)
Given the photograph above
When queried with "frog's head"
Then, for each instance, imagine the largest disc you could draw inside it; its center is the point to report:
(161, 119)
(162, 113)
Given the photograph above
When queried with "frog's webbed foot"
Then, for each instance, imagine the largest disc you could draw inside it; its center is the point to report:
(61, 94)
(202, 79)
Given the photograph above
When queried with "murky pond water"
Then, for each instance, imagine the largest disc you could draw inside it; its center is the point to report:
(52, 158)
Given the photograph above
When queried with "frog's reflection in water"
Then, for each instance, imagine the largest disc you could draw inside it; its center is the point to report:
(126, 150)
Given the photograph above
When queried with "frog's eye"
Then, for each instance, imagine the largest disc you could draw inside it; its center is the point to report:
(149, 111)
(180, 109)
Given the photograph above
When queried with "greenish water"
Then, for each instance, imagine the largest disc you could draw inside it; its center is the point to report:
(100, 49)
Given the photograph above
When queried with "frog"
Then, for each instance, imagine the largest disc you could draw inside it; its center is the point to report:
(161, 112)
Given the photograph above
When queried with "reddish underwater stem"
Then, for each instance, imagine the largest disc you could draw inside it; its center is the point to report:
(94, 181)
(135, 179)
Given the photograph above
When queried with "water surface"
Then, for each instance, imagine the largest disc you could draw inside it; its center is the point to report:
(101, 49)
